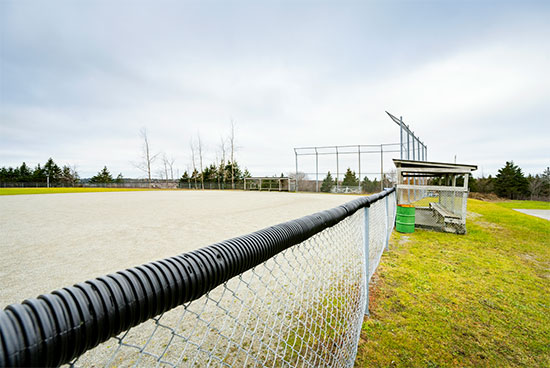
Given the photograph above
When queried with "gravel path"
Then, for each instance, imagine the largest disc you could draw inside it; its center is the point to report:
(543, 214)
(55, 240)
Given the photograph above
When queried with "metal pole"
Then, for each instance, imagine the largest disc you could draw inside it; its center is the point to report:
(388, 232)
(359, 157)
(381, 168)
(401, 136)
(296, 177)
(408, 143)
(425, 152)
(316, 170)
(337, 168)
(367, 254)
(414, 139)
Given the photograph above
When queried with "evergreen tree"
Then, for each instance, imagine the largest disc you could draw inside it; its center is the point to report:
(328, 183)
(68, 176)
(52, 170)
(185, 177)
(510, 182)
(119, 179)
(472, 184)
(25, 173)
(370, 186)
(350, 179)
(38, 174)
(4, 175)
(210, 173)
(232, 170)
(185, 180)
(195, 176)
(485, 184)
(102, 177)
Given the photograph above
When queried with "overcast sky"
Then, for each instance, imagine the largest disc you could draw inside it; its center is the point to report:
(79, 79)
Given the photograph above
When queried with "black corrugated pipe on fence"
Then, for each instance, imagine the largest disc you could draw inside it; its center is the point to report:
(55, 328)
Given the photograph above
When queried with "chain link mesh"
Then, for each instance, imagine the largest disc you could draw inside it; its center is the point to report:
(443, 209)
(302, 307)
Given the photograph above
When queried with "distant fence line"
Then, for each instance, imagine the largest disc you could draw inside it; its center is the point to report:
(292, 294)
(156, 184)
(305, 185)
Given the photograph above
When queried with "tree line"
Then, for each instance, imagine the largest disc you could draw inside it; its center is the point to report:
(53, 174)
(511, 183)
(351, 180)
(49, 172)
(225, 171)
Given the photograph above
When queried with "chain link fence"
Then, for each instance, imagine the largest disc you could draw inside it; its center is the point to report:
(291, 295)
(441, 208)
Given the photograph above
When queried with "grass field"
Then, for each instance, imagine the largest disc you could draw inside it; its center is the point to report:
(479, 300)
(16, 191)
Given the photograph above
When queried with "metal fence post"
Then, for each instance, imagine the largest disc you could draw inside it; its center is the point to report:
(388, 232)
(381, 167)
(367, 255)
(296, 177)
(359, 161)
(337, 168)
(401, 137)
(414, 149)
(316, 170)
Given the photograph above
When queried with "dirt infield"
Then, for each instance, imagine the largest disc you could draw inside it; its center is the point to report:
(51, 241)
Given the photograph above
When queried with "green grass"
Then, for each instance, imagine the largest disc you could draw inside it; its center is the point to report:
(478, 300)
(528, 205)
(16, 191)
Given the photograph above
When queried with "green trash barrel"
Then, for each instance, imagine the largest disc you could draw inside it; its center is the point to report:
(404, 223)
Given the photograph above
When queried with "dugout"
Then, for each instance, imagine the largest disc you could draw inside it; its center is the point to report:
(437, 190)
(267, 183)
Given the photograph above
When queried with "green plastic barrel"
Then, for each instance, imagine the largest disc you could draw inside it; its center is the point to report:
(404, 223)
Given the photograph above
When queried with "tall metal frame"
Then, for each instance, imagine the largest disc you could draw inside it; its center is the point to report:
(419, 149)
(338, 151)
(420, 152)
(410, 148)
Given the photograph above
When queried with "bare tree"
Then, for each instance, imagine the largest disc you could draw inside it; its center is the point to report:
(536, 185)
(165, 164)
(298, 177)
(160, 174)
(171, 165)
(192, 144)
(232, 147)
(391, 177)
(168, 166)
(199, 148)
(221, 168)
(147, 158)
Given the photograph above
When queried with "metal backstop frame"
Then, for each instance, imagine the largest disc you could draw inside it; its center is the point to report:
(409, 148)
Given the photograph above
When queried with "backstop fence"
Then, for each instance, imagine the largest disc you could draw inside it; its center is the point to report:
(293, 294)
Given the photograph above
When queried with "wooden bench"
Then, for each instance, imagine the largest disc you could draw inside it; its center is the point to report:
(445, 213)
